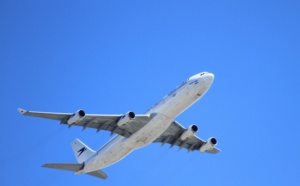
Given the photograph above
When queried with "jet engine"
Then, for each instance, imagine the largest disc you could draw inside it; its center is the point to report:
(75, 118)
(209, 144)
(191, 131)
(126, 118)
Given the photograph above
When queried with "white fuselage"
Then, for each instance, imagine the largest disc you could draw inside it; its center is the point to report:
(166, 110)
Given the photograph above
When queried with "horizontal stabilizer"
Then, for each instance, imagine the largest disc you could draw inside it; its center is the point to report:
(75, 167)
(98, 174)
(64, 166)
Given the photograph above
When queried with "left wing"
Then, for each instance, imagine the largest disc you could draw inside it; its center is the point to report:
(96, 121)
(172, 136)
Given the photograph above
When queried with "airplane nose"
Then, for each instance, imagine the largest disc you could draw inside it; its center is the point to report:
(205, 81)
(209, 78)
(210, 75)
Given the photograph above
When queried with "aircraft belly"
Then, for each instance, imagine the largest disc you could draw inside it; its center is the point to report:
(110, 154)
(183, 100)
(151, 131)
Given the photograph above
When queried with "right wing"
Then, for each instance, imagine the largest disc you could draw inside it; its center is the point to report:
(172, 136)
(96, 121)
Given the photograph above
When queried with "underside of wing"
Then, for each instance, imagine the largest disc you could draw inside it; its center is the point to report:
(109, 123)
(96, 121)
(173, 136)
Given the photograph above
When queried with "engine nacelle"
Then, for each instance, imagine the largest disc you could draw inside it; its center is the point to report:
(126, 118)
(191, 131)
(75, 118)
(211, 142)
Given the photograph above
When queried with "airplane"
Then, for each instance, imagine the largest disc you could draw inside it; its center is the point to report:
(135, 130)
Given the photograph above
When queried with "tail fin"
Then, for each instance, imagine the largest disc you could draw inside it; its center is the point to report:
(82, 152)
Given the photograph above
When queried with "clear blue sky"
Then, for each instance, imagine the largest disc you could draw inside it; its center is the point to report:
(110, 57)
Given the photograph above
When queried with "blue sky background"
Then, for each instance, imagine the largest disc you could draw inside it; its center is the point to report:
(110, 57)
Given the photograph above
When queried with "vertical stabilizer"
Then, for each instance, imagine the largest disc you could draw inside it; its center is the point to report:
(82, 152)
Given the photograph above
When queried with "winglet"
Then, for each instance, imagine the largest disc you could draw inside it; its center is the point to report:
(22, 111)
